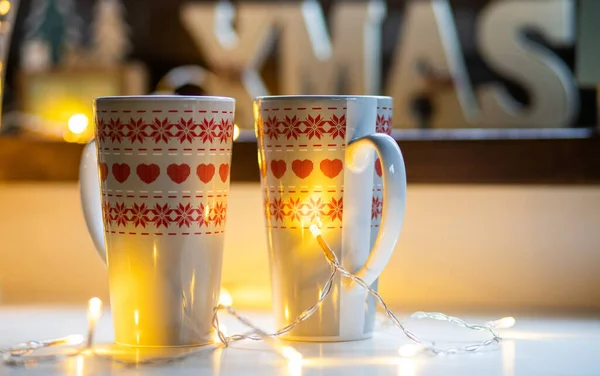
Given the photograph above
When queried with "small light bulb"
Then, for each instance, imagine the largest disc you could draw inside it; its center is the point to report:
(236, 132)
(410, 350)
(78, 123)
(75, 339)
(225, 298)
(4, 7)
(503, 323)
(95, 308)
(314, 229)
(291, 354)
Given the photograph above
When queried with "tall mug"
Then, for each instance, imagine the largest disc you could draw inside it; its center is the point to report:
(154, 188)
(318, 167)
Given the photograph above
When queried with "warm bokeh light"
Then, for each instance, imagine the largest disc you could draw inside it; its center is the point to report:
(4, 7)
(79, 365)
(410, 350)
(78, 123)
(94, 309)
(291, 354)
(69, 136)
(75, 339)
(225, 298)
(236, 132)
(503, 323)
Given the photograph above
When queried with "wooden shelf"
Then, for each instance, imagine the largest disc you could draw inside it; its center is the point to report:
(569, 156)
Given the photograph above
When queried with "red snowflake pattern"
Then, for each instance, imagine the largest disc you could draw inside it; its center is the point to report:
(314, 209)
(184, 215)
(106, 210)
(207, 130)
(278, 209)
(120, 214)
(101, 131)
(160, 130)
(271, 127)
(226, 128)
(116, 130)
(380, 124)
(140, 215)
(315, 127)
(338, 126)
(291, 127)
(376, 208)
(305, 211)
(295, 209)
(201, 220)
(162, 215)
(219, 214)
(387, 126)
(136, 130)
(336, 209)
(185, 130)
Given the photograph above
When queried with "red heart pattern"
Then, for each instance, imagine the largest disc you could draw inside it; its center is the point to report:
(331, 168)
(302, 168)
(378, 167)
(120, 171)
(178, 173)
(148, 173)
(103, 168)
(224, 172)
(278, 168)
(205, 172)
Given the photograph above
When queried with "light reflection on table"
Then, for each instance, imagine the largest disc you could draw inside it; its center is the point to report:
(534, 346)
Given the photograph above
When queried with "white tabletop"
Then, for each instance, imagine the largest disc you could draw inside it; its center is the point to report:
(535, 346)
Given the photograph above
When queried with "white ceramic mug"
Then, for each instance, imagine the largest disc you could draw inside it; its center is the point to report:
(318, 167)
(154, 188)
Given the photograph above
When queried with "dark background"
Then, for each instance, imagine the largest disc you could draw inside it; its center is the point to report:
(160, 41)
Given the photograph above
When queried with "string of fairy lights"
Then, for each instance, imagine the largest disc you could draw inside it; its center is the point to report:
(23, 353)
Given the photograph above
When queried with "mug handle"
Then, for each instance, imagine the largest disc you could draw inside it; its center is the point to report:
(89, 190)
(394, 197)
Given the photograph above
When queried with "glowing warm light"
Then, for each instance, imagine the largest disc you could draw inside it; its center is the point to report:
(291, 354)
(78, 123)
(225, 298)
(79, 365)
(316, 232)
(507, 322)
(136, 317)
(75, 339)
(70, 136)
(503, 323)
(94, 314)
(94, 309)
(295, 368)
(410, 350)
(236, 132)
(4, 7)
